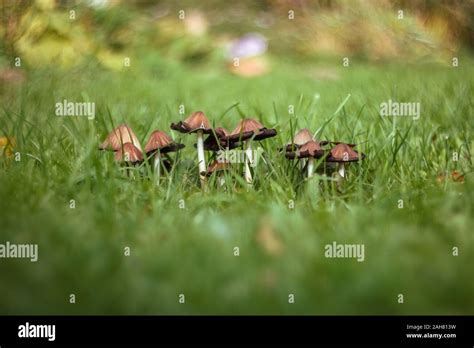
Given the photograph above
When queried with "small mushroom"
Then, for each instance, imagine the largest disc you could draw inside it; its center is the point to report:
(341, 154)
(247, 130)
(305, 146)
(129, 154)
(301, 138)
(160, 143)
(120, 136)
(197, 123)
(310, 150)
(217, 167)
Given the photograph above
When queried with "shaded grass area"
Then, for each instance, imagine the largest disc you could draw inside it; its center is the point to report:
(191, 250)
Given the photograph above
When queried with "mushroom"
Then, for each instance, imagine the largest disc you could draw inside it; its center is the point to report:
(307, 146)
(343, 153)
(215, 167)
(247, 130)
(129, 154)
(218, 140)
(197, 123)
(311, 150)
(302, 137)
(120, 136)
(160, 143)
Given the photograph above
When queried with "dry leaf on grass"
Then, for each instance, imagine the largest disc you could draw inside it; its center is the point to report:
(7, 145)
(267, 239)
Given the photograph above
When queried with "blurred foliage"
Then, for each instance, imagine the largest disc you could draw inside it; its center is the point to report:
(47, 32)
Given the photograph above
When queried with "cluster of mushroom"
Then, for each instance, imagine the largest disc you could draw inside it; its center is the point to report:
(123, 141)
(247, 130)
(126, 146)
(305, 146)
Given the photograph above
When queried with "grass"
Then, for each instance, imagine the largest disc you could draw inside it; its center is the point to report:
(408, 251)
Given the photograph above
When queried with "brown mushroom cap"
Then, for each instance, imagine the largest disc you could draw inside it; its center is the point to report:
(129, 153)
(248, 125)
(197, 121)
(309, 149)
(121, 135)
(295, 147)
(344, 153)
(219, 141)
(216, 166)
(159, 140)
(221, 132)
(248, 128)
(302, 137)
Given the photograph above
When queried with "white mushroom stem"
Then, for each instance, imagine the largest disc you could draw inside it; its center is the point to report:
(221, 180)
(201, 158)
(341, 169)
(157, 166)
(302, 163)
(310, 167)
(248, 158)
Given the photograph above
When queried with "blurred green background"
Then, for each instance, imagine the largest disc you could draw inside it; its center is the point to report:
(46, 32)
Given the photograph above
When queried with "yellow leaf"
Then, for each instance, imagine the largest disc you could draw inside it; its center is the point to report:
(6, 146)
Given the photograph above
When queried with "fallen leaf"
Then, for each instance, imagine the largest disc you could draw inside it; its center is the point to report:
(267, 239)
(6, 146)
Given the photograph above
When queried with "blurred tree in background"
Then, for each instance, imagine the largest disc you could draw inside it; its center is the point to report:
(68, 33)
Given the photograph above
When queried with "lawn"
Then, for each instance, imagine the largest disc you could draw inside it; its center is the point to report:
(182, 239)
